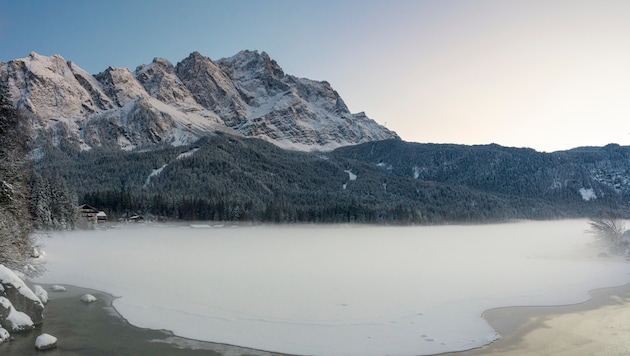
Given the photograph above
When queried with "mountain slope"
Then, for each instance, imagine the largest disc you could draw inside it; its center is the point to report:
(159, 103)
(578, 180)
(283, 107)
(225, 177)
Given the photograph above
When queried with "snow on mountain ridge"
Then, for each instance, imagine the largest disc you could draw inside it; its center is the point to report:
(121, 85)
(283, 106)
(99, 98)
(158, 103)
(161, 82)
(211, 88)
(46, 87)
(254, 74)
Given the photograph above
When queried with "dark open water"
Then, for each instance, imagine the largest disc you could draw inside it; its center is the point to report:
(97, 329)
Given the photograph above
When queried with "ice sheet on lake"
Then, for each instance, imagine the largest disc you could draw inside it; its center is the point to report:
(340, 290)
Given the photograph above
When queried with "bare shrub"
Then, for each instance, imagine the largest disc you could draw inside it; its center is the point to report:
(608, 226)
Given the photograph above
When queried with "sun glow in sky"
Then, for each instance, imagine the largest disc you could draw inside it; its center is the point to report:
(545, 74)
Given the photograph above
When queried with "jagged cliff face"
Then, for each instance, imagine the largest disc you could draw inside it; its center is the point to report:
(158, 103)
(120, 85)
(211, 88)
(66, 105)
(161, 82)
(285, 108)
(48, 88)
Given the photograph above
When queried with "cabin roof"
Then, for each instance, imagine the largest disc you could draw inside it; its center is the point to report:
(87, 207)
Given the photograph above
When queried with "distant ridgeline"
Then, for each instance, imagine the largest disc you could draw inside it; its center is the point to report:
(232, 178)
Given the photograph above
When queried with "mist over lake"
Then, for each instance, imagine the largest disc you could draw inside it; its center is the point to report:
(333, 290)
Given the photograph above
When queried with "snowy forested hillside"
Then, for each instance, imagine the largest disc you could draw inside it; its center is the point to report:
(224, 177)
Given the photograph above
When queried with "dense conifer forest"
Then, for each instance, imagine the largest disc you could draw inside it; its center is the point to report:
(227, 178)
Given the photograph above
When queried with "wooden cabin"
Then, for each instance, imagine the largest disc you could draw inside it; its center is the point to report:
(91, 214)
(88, 212)
(101, 217)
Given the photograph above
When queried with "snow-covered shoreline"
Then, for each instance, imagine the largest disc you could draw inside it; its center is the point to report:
(587, 316)
(594, 327)
(364, 290)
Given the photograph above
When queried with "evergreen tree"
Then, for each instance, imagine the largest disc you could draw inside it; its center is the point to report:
(64, 212)
(53, 205)
(42, 213)
(15, 220)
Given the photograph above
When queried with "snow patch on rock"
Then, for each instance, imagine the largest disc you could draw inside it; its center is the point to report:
(7, 276)
(41, 293)
(4, 335)
(17, 321)
(45, 342)
(88, 298)
(57, 288)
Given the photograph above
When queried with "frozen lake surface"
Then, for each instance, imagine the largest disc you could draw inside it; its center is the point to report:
(333, 290)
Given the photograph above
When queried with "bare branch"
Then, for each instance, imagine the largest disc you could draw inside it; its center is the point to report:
(608, 226)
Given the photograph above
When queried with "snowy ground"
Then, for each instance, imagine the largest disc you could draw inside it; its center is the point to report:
(333, 290)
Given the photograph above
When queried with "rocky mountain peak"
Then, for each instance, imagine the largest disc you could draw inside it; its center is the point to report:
(256, 76)
(120, 85)
(212, 88)
(46, 87)
(160, 81)
(252, 63)
(247, 94)
(161, 64)
(54, 64)
(99, 100)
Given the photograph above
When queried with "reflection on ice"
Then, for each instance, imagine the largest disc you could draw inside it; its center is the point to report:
(333, 290)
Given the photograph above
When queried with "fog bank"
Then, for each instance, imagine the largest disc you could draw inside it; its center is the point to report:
(333, 290)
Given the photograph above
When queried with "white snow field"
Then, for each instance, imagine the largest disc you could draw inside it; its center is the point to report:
(333, 290)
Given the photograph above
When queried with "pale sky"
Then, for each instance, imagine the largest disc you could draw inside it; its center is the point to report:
(547, 74)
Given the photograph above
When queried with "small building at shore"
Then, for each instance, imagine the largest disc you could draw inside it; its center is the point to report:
(101, 217)
(91, 214)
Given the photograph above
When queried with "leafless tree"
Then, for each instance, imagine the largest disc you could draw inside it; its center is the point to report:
(608, 226)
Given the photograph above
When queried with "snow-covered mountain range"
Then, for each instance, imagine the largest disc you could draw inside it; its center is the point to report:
(161, 103)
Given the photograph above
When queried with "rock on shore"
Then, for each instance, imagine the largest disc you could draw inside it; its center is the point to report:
(4, 335)
(45, 342)
(20, 308)
(14, 319)
(88, 298)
